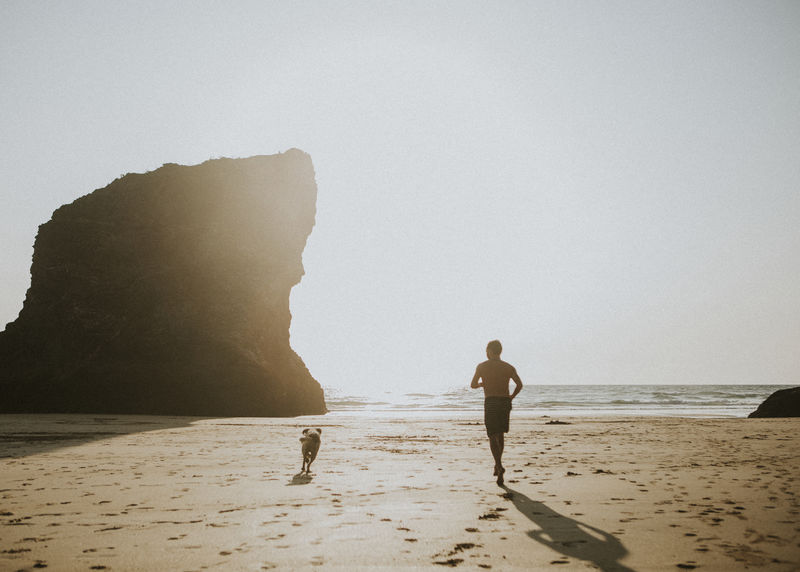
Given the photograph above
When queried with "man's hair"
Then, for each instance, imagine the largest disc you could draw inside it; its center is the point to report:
(495, 347)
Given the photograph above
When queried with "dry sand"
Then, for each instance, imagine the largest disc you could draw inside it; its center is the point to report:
(170, 493)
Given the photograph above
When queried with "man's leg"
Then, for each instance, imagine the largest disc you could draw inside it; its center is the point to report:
(496, 444)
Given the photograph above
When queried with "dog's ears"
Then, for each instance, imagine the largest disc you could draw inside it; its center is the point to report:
(319, 430)
(305, 431)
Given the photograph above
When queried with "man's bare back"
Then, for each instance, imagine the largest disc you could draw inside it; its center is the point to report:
(496, 374)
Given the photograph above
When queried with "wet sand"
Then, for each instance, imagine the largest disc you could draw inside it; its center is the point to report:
(106, 492)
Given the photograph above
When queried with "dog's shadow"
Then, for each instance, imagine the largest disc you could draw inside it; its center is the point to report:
(301, 478)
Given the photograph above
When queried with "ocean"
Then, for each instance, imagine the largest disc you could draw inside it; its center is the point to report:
(567, 401)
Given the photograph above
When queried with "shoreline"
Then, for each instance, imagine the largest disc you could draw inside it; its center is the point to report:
(444, 413)
(676, 400)
(608, 493)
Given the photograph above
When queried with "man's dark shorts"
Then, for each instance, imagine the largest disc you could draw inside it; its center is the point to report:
(495, 414)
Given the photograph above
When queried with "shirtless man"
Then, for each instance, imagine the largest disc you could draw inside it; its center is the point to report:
(493, 376)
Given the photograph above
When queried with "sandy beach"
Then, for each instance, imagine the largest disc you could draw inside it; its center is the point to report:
(107, 492)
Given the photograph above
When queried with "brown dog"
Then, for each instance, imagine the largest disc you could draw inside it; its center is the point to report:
(311, 440)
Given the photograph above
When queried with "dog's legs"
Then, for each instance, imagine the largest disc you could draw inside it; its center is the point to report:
(311, 457)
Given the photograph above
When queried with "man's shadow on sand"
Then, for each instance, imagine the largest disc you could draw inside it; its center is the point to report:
(301, 478)
(570, 537)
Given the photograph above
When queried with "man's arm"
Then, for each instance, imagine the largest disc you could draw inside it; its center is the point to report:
(475, 384)
(518, 384)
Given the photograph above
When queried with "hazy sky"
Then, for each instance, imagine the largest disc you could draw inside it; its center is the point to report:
(610, 188)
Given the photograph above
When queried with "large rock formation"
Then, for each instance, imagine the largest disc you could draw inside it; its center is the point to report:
(168, 293)
(782, 403)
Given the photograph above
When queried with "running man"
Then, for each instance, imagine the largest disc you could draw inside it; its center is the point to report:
(493, 376)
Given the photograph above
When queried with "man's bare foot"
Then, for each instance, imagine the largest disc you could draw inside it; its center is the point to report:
(500, 477)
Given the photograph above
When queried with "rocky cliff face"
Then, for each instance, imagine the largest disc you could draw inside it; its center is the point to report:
(168, 293)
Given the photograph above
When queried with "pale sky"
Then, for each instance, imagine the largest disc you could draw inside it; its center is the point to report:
(612, 189)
